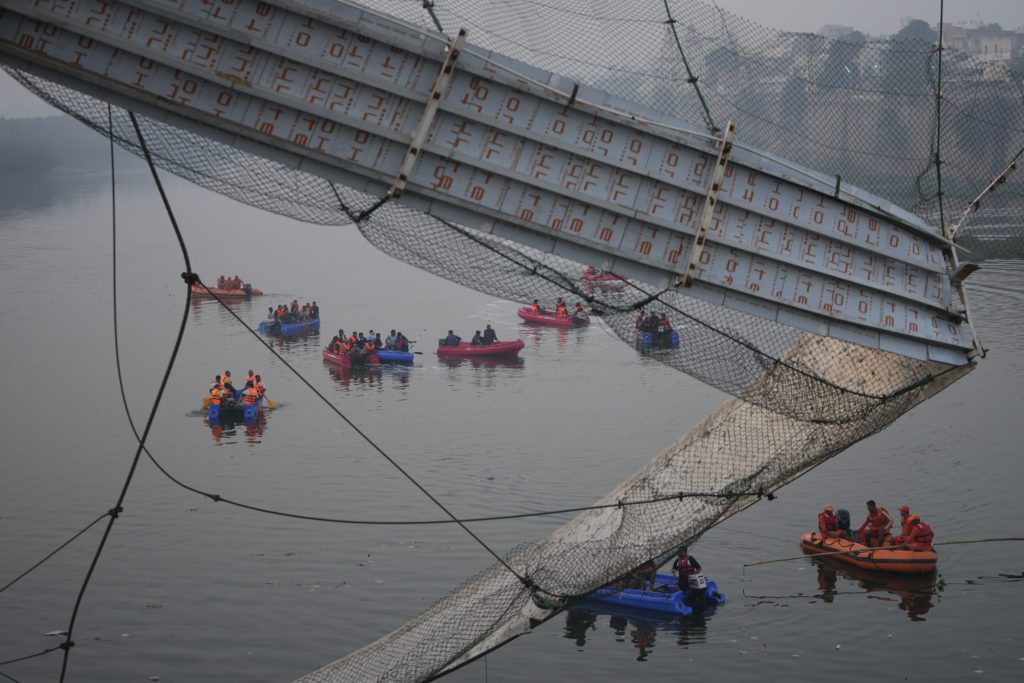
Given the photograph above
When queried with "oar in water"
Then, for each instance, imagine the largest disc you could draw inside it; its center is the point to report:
(270, 402)
(206, 402)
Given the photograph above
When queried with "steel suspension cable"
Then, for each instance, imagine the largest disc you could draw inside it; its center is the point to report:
(118, 507)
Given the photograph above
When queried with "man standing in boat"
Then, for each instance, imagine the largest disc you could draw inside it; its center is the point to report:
(490, 336)
(876, 525)
(685, 566)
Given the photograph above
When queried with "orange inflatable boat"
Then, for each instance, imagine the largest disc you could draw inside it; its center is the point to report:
(880, 559)
(229, 293)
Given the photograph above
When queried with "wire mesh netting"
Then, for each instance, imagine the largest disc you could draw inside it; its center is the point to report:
(861, 109)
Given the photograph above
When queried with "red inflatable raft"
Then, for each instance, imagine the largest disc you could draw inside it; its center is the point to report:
(346, 362)
(880, 559)
(226, 293)
(551, 319)
(465, 349)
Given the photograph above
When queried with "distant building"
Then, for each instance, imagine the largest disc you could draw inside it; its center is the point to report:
(983, 41)
(835, 30)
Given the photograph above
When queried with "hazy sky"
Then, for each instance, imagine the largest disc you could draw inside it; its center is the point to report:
(870, 16)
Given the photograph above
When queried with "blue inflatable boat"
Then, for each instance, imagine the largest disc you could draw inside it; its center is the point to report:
(668, 600)
(647, 340)
(270, 327)
(246, 411)
(387, 356)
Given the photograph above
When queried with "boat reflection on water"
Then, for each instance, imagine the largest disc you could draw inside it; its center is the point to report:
(482, 362)
(534, 334)
(912, 592)
(297, 341)
(225, 430)
(358, 376)
(206, 306)
(643, 628)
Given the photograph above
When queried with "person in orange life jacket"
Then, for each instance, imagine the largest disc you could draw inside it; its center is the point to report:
(226, 382)
(904, 525)
(250, 395)
(258, 385)
(335, 345)
(920, 536)
(828, 523)
(452, 339)
(216, 395)
(489, 335)
(560, 308)
(535, 307)
(217, 383)
(250, 376)
(876, 525)
(684, 567)
(590, 270)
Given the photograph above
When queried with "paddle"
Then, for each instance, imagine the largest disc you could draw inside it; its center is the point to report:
(270, 402)
(206, 402)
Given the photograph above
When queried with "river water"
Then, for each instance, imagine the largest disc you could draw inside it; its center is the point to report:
(192, 590)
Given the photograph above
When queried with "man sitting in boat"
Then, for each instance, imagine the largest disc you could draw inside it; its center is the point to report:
(828, 523)
(477, 339)
(561, 309)
(684, 567)
(220, 282)
(876, 525)
(920, 536)
(489, 335)
(580, 313)
(904, 525)
(250, 395)
(401, 343)
(452, 339)
(314, 311)
(535, 307)
(257, 384)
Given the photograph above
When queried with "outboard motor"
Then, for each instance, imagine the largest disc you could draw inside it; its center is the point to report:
(697, 582)
(843, 517)
(247, 288)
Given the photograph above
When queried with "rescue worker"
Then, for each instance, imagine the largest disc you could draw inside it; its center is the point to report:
(226, 382)
(217, 383)
(535, 307)
(685, 566)
(250, 376)
(828, 523)
(250, 396)
(876, 525)
(920, 537)
(560, 308)
(904, 525)
(452, 339)
(489, 335)
(216, 395)
(257, 383)
(644, 576)
(220, 282)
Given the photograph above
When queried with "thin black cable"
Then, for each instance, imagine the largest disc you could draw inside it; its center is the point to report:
(115, 511)
(366, 437)
(33, 656)
(57, 550)
(217, 498)
(10, 678)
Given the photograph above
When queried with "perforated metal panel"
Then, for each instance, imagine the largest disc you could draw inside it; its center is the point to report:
(511, 150)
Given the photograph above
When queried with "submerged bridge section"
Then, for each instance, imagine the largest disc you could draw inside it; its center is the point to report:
(496, 145)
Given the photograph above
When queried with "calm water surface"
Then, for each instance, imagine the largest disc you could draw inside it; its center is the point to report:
(191, 590)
